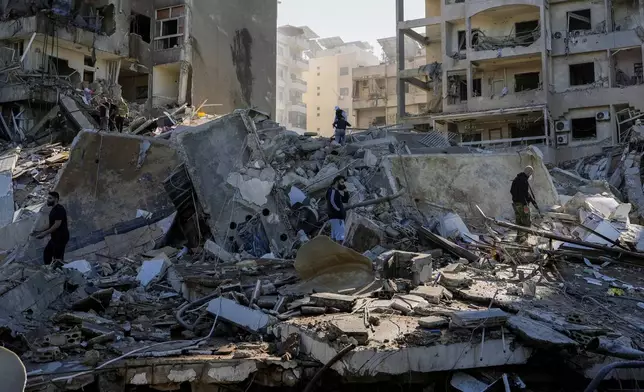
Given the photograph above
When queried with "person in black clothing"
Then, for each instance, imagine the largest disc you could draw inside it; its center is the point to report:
(58, 230)
(340, 124)
(521, 198)
(336, 196)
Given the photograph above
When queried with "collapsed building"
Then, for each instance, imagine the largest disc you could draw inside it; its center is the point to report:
(565, 76)
(198, 261)
(82, 57)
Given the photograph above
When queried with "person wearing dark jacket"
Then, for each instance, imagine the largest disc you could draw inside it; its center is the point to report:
(521, 198)
(336, 196)
(340, 124)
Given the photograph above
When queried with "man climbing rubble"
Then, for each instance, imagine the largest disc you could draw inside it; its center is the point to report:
(336, 196)
(340, 124)
(55, 249)
(521, 198)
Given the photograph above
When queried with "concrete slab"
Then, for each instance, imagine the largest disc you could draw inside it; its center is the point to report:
(332, 300)
(250, 319)
(479, 318)
(433, 322)
(432, 294)
(212, 152)
(352, 326)
(101, 185)
(538, 334)
(34, 294)
(152, 269)
(462, 181)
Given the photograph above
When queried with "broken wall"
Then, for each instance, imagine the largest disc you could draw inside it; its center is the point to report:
(233, 54)
(110, 176)
(463, 181)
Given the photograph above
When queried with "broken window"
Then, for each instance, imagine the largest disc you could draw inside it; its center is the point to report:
(88, 76)
(55, 66)
(344, 91)
(526, 81)
(344, 71)
(141, 92)
(471, 137)
(463, 90)
(169, 27)
(584, 128)
(582, 74)
(527, 32)
(140, 25)
(476, 87)
(380, 120)
(579, 20)
(381, 83)
(526, 128)
(461, 41)
(89, 61)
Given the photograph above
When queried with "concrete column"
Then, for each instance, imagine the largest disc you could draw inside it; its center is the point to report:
(609, 15)
(184, 77)
(400, 39)
(641, 6)
(546, 125)
(613, 125)
(545, 58)
(469, 81)
(468, 36)
(150, 100)
(611, 67)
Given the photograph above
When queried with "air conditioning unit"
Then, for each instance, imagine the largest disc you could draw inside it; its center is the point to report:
(602, 116)
(562, 140)
(562, 126)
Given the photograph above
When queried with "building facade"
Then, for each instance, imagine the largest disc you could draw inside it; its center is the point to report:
(155, 52)
(564, 75)
(293, 46)
(330, 81)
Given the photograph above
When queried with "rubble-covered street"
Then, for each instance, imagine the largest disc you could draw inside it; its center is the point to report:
(200, 259)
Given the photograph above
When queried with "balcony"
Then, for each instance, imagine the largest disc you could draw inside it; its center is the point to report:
(298, 84)
(495, 50)
(297, 106)
(518, 99)
(300, 63)
(560, 103)
(576, 42)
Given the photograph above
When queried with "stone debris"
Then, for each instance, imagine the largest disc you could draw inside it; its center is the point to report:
(213, 250)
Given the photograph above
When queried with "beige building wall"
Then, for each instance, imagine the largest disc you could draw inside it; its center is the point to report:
(489, 105)
(330, 84)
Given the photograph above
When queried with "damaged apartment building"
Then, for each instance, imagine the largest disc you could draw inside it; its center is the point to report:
(563, 75)
(78, 56)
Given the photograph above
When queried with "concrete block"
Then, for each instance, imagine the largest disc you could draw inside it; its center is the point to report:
(538, 333)
(332, 300)
(453, 268)
(451, 280)
(362, 233)
(433, 322)
(479, 318)
(152, 269)
(219, 252)
(422, 266)
(432, 294)
(247, 318)
(351, 326)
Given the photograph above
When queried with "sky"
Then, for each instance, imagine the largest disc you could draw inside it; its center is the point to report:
(352, 20)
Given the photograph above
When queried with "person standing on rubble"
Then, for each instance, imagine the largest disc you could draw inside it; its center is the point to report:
(521, 199)
(336, 196)
(122, 112)
(340, 124)
(55, 250)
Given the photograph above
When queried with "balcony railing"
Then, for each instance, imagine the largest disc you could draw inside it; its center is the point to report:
(484, 42)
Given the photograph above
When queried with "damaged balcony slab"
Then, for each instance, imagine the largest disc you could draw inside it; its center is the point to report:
(397, 346)
(462, 181)
(215, 155)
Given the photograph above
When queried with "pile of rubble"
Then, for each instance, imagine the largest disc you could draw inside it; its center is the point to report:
(200, 256)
